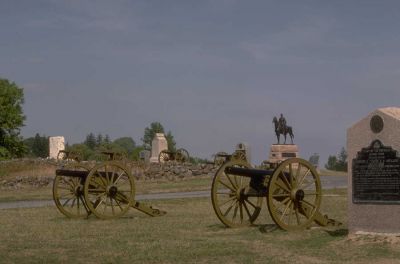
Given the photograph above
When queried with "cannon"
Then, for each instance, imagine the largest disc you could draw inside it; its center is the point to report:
(222, 157)
(292, 191)
(106, 190)
(181, 155)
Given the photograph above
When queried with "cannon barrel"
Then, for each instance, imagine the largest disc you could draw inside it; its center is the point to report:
(248, 172)
(81, 174)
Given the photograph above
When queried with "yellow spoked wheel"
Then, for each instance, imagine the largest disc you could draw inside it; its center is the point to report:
(239, 155)
(68, 193)
(164, 156)
(182, 155)
(230, 197)
(220, 158)
(109, 190)
(294, 194)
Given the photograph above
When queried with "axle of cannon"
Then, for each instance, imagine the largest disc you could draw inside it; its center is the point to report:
(256, 173)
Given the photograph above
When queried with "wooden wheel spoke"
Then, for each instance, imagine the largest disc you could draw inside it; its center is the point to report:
(286, 208)
(283, 203)
(241, 212)
(246, 209)
(232, 183)
(227, 201)
(226, 185)
(280, 195)
(303, 178)
(67, 201)
(249, 202)
(308, 203)
(308, 185)
(290, 212)
(235, 211)
(118, 178)
(112, 206)
(122, 197)
(284, 180)
(226, 193)
(229, 208)
(296, 211)
(291, 175)
(119, 205)
(281, 185)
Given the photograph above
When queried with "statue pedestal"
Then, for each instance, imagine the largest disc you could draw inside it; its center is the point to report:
(280, 152)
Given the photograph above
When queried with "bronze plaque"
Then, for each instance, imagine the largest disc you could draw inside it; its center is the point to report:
(376, 124)
(376, 175)
(288, 155)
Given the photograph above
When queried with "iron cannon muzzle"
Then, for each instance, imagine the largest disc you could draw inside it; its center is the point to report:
(248, 172)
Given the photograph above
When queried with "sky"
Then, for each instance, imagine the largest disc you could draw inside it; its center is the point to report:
(213, 72)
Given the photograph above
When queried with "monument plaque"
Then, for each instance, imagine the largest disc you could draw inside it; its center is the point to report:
(373, 147)
(376, 175)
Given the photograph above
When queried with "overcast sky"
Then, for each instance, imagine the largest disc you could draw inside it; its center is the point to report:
(214, 72)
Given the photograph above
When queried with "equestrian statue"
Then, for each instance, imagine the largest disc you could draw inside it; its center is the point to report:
(282, 128)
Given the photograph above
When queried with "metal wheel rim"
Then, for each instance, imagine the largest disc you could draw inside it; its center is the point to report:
(109, 190)
(182, 155)
(218, 160)
(66, 198)
(230, 210)
(163, 156)
(294, 199)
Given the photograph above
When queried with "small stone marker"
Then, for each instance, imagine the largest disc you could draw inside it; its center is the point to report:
(281, 152)
(373, 146)
(158, 144)
(55, 145)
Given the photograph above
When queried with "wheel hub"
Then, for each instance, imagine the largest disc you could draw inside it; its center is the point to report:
(78, 191)
(299, 196)
(112, 191)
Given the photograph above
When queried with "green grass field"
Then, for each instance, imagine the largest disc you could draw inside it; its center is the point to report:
(189, 233)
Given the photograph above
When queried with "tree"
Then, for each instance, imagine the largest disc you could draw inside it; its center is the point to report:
(331, 165)
(342, 160)
(150, 132)
(38, 146)
(338, 163)
(171, 142)
(11, 120)
(99, 139)
(126, 143)
(90, 141)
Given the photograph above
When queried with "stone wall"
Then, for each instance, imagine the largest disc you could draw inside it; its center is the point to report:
(40, 172)
(174, 171)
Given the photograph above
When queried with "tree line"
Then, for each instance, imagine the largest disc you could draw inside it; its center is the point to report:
(13, 145)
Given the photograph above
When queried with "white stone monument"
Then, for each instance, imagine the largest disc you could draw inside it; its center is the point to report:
(373, 146)
(158, 144)
(55, 145)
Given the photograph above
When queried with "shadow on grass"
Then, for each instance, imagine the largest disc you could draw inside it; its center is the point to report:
(268, 228)
(338, 232)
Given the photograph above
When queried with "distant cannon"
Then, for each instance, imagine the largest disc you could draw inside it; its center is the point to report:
(181, 155)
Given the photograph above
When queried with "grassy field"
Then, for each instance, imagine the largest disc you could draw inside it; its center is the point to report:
(189, 233)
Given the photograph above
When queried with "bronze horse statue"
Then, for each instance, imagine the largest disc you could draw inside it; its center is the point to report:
(284, 130)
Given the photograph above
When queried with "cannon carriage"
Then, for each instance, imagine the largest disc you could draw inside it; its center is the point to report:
(105, 189)
(181, 155)
(292, 191)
